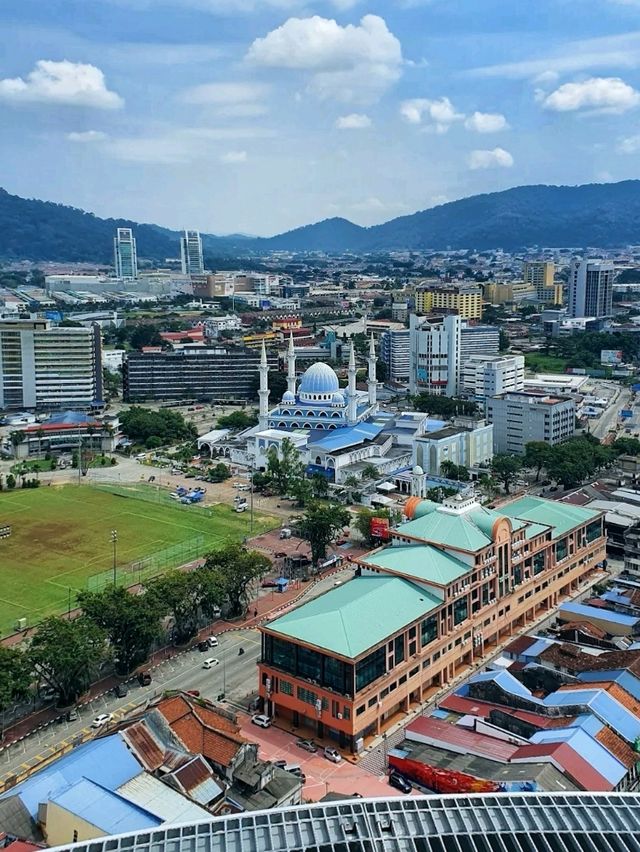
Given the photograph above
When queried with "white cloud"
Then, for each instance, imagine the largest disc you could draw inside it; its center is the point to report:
(85, 136)
(496, 158)
(354, 121)
(628, 145)
(226, 93)
(232, 157)
(64, 83)
(183, 145)
(486, 122)
(610, 94)
(439, 114)
(354, 63)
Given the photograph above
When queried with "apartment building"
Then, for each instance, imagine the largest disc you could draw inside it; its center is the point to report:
(591, 288)
(482, 376)
(540, 274)
(464, 299)
(519, 418)
(45, 366)
(395, 348)
(211, 374)
(125, 254)
(456, 581)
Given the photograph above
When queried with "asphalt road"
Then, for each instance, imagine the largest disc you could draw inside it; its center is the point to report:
(609, 418)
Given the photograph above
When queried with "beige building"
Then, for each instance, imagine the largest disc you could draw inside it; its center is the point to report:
(540, 274)
(462, 299)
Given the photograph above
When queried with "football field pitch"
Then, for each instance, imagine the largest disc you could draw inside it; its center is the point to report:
(60, 542)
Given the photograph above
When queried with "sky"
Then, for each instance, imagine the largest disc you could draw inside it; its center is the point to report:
(257, 116)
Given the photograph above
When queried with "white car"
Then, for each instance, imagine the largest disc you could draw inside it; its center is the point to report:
(332, 754)
(210, 663)
(212, 641)
(101, 720)
(261, 720)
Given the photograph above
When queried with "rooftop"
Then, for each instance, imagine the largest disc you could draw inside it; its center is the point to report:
(350, 619)
(559, 516)
(422, 562)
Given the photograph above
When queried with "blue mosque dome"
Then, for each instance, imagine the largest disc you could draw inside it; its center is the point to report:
(338, 398)
(289, 397)
(318, 384)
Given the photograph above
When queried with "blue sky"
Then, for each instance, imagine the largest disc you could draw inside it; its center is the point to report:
(261, 115)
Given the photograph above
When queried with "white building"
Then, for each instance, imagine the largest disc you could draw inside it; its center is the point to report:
(468, 444)
(591, 288)
(395, 349)
(214, 325)
(191, 253)
(45, 366)
(519, 418)
(489, 375)
(125, 254)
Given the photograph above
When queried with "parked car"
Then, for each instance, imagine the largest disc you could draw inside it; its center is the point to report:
(203, 646)
(121, 690)
(210, 663)
(268, 584)
(280, 763)
(194, 692)
(332, 754)
(399, 782)
(144, 678)
(101, 720)
(307, 745)
(261, 720)
(212, 641)
(296, 770)
(72, 715)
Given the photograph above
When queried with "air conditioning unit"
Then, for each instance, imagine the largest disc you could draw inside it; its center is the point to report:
(339, 716)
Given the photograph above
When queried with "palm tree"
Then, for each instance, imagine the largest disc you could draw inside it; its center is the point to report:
(40, 433)
(16, 438)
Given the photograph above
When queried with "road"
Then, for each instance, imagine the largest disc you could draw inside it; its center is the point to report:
(609, 418)
(235, 675)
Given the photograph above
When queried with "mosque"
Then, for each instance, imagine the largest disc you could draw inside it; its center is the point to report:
(318, 403)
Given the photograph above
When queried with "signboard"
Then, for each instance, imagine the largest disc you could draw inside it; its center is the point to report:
(380, 528)
(611, 356)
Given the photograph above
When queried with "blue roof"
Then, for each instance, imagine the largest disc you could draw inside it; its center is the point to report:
(338, 439)
(507, 682)
(628, 681)
(106, 761)
(606, 708)
(538, 647)
(601, 613)
(71, 418)
(588, 748)
(319, 378)
(103, 808)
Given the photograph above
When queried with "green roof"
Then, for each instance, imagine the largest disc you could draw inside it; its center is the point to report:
(448, 529)
(423, 562)
(562, 517)
(350, 619)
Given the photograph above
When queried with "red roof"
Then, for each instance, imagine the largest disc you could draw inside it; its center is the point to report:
(520, 645)
(426, 729)
(460, 704)
(61, 427)
(579, 770)
(203, 730)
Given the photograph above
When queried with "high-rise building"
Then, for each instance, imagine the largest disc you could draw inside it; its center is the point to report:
(438, 346)
(44, 366)
(591, 288)
(395, 348)
(125, 254)
(482, 376)
(464, 299)
(191, 253)
(519, 418)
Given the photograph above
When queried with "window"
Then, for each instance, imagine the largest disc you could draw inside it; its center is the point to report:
(538, 563)
(414, 671)
(398, 649)
(309, 663)
(594, 530)
(286, 687)
(460, 610)
(371, 668)
(360, 710)
(372, 701)
(428, 630)
(346, 712)
(561, 550)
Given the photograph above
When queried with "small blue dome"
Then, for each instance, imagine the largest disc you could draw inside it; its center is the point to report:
(338, 398)
(319, 381)
(289, 397)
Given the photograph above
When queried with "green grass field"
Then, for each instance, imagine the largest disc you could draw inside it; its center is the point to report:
(61, 539)
(540, 363)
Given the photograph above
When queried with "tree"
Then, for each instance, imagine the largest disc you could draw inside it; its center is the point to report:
(16, 437)
(319, 485)
(233, 571)
(505, 467)
(276, 382)
(238, 420)
(487, 485)
(131, 622)
(626, 446)
(451, 470)
(183, 594)
(144, 334)
(538, 455)
(319, 526)
(219, 472)
(284, 467)
(370, 471)
(66, 655)
(141, 424)
(15, 676)
(11, 481)
(578, 459)
(362, 523)
(443, 406)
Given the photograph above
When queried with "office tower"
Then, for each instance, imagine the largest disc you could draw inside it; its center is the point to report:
(464, 299)
(125, 254)
(482, 376)
(395, 346)
(191, 253)
(519, 418)
(45, 366)
(591, 288)
(540, 274)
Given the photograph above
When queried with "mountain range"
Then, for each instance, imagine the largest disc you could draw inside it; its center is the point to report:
(602, 215)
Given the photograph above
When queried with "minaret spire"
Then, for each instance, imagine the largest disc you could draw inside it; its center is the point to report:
(352, 394)
(372, 382)
(263, 393)
(291, 366)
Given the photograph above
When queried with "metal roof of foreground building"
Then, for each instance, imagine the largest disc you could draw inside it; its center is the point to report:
(523, 822)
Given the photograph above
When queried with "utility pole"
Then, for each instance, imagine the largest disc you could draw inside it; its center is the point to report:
(114, 541)
(251, 500)
(79, 457)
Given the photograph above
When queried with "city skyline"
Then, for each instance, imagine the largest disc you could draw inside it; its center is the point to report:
(281, 112)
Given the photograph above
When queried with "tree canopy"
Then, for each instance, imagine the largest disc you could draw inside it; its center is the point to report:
(443, 406)
(143, 424)
(238, 420)
(233, 570)
(319, 527)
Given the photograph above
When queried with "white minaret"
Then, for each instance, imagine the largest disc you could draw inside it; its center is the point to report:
(352, 394)
(372, 382)
(263, 393)
(291, 367)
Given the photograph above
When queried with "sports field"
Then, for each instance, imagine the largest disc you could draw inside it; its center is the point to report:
(61, 542)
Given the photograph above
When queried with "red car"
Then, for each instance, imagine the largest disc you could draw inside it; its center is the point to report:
(194, 692)
(268, 584)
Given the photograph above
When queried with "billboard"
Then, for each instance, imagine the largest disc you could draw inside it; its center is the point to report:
(380, 528)
(611, 356)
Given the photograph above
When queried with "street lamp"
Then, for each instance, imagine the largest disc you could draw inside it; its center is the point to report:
(114, 541)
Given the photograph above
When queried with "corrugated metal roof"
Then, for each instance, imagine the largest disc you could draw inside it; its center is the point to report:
(560, 516)
(196, 780)
(339, 439)
(426, 729)
(595, 612)
(163, 802)
(106, 810)
(588, 748)
(145, 746)
(576, 767)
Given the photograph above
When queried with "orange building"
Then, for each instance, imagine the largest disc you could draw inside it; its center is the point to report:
(456, 580)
